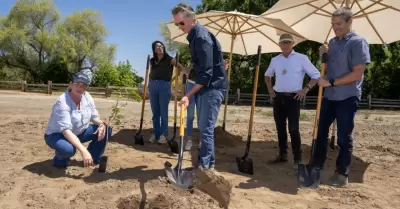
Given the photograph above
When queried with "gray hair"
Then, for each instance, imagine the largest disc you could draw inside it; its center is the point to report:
(343, 12)
(186, 10)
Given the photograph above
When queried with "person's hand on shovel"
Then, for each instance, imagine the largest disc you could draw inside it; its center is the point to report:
(184, 101)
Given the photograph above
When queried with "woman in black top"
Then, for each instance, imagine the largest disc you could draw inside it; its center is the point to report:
(162, 66)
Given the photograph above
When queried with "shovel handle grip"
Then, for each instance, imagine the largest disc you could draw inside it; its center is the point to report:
(182, 119)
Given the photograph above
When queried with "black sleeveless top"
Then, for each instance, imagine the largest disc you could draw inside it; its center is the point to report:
(162, 70)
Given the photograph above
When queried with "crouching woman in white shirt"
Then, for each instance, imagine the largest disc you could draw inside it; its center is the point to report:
(70, 125)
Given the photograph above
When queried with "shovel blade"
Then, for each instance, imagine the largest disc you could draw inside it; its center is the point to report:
(245, 165)
(174, 146)
(303, 171)
(139, 139)
(182, 178)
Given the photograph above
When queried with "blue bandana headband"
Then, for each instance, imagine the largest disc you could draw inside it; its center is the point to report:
(84, 76)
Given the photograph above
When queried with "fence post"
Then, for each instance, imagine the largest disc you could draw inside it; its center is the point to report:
(22, 86)
(49, 87)
(369, 101)
(108, 90)
(237, 95)
(304, 100)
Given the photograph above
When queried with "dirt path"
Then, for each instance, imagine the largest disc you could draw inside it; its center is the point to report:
(134, 175)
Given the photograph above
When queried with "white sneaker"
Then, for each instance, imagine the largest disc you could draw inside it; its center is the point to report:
(162, 140)
(188, 146)
(152, 139)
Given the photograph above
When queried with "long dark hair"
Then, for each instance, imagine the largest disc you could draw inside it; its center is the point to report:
(153, 47)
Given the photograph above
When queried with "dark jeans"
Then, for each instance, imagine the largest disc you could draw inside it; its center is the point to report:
(64, 150)
(286, 107)
(160, 95)
(210, 103)
(344, 111)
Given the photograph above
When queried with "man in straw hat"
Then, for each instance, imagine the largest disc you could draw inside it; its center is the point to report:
(289, 67)
(211, 79)
(348, 56)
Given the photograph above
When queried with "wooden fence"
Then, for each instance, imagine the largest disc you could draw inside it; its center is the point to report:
(237, 98)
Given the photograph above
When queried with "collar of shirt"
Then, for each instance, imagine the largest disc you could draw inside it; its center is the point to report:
(290, 54)
(346, 37)
(192, 32)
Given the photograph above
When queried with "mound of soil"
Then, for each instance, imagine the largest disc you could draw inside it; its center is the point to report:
(226, 139)
(214, 185)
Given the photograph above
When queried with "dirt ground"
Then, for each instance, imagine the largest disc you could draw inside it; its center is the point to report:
(135, 174)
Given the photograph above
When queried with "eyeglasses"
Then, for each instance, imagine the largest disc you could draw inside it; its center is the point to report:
(181, 23)
(159, 47)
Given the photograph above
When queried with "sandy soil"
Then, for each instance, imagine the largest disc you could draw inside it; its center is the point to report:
(135, 175)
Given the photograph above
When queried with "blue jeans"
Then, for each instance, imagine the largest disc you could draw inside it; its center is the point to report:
(193, 103)
(64, 150)
(210, 103)
(160, 95)
(344, 111)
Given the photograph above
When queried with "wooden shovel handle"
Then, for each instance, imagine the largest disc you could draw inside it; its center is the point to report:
(176, 86)
(145, 86)
(320, 90)
(253, 101)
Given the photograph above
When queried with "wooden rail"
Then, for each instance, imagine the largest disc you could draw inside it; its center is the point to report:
(238, 99)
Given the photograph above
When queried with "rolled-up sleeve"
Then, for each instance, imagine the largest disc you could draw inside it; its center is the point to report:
(62, 117)
(360, 52)
(204, 52)
(309, 68)
(271, 69)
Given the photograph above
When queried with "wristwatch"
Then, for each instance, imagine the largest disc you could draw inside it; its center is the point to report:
(309, 87)
(332, 81)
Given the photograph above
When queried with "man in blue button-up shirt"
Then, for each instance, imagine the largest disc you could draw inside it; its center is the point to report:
(348, 55)
(211, 80)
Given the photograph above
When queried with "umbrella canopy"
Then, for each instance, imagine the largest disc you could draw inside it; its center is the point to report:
(312, 18)
(240, 33)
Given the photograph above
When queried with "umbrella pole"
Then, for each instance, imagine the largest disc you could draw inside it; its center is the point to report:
(229, 78)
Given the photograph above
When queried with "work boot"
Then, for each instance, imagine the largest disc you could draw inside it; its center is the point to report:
(278, 159)
(338, 180)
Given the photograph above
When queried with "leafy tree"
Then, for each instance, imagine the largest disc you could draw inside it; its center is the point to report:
(122, 75)
(33, 39)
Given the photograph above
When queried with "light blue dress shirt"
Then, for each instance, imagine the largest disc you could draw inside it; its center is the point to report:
(290, 71)
(65, 114)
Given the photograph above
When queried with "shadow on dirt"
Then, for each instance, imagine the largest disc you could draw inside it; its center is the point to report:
(139, 173)
(127, 137)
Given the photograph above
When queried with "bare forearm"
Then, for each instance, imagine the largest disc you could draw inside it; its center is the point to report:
(349, 78)
(97, 121)
(268, 83)
(312, 83)
(73, 139)
(195, 89)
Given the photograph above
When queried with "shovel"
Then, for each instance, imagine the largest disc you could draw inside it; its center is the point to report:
(304, 170)
(138, 136)
(182, 178)
(332, 144)
(245, 164)
(173, 145)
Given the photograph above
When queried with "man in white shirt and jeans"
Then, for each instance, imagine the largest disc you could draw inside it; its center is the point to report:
(289, 69)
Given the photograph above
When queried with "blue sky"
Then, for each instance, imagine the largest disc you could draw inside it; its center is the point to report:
(132, 24)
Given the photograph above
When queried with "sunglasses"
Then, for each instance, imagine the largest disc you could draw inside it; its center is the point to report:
(180, 23)
(159, 47)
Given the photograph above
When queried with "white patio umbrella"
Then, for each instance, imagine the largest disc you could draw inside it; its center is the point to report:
(240, 33)
(373, 19)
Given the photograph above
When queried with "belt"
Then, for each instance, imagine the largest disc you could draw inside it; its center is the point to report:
(289, 94)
